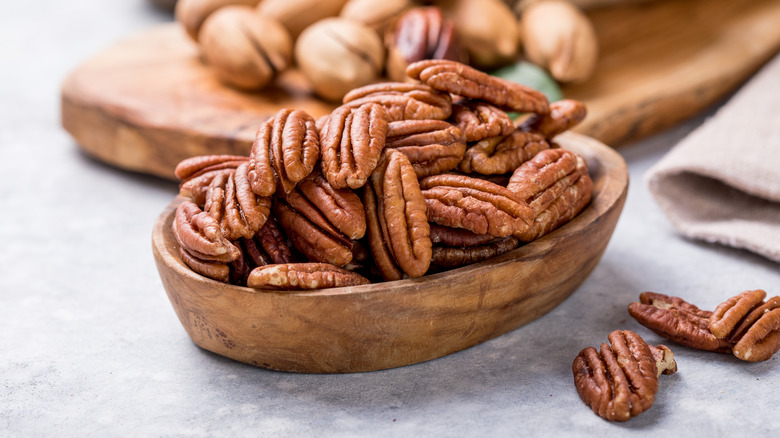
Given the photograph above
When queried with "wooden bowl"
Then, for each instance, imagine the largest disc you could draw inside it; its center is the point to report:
(391, 324)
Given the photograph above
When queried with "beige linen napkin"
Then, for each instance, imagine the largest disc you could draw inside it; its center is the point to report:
(722, 182)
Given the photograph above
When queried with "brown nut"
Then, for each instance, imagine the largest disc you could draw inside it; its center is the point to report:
(477, 205)
(376, 14)
(420, 33)
(446, 236)
(754, 325)
(403, 101)
(620, 381)
(302, 276)
(377, 245)
(479, 120)
(339, 207)
(432, 146)
(677, 320)
(244, 49)
(488, 30)
(463, 80)
(269, 246)
(297, 15)
(556, 185)
(196, 173)
(564, 115)
(337, 55)
(499, 155)
(400, 214)
(192, 13)
(454, 256)
(351, 142)
(231, 201)
(285, 151)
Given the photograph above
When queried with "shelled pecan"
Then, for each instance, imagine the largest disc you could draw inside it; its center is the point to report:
(403, 101)
(457, 236)
(302, 276)
(479, 120)
(477, 205)
(454, 256)
(432, 146)
(498, 155)
(285, 151)
(620, 381)
(196, 173)
(463, 80)
(231, 201)
(564, 114)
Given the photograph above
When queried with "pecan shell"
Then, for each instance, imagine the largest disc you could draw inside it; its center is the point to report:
(285, 151)
(302, 276)
(564, 115)
(432, 146)
(479, 120)
(403, 101)
(196, 173)
(231, 201)
(498, 155)
(463, 80)
(454, 256)
(477, 205)
(351, 142)
(620, 380)
(202, 245)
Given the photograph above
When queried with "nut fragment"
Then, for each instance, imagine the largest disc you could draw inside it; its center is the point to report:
(432, 146)
(196, 173)
(564, 115)
(403, 101)
(498, 155)
(351, 142)
(468, 82)
(203, 247)
(479, 120)
(231, 201)
(620, 381)
(285, 151)
(302, 276)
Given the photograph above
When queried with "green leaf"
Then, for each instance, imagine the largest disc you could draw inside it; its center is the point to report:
(531, 75)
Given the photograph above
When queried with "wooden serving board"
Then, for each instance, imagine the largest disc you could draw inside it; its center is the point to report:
(148, 102)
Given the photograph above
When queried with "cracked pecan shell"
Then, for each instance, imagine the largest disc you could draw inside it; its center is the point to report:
(403, 101)
(564, 115)
(196, 173)
(620, 380)
(285, 150)
(477, 205)
(351, 142)
(463, 80)
(432, 146)
(202, 245)
(231, 201)
(479, 120)
(498, 155)
(454, 256)
(302, 276)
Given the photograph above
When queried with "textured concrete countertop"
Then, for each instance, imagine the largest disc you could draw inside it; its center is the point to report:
(90, 345)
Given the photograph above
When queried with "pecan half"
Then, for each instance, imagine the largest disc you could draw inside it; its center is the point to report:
(564, 115)
(350, 144)
(378, 246)
(196, 173)
(454, 256)
(752, 324)
(202, 245)
(302, 276)
(400, 215)
(432, 146)
(677, 320)
(498, 155)
(457, 236)
(231, 201)
(474, 204)
(285, 151)
(479, 120)
(620, 381)
(463, 80)
(403, 101)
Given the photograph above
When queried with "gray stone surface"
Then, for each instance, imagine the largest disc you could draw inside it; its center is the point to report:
(90, 345)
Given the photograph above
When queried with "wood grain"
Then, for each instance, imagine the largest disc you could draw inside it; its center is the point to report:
(397, 323)
(148, 102)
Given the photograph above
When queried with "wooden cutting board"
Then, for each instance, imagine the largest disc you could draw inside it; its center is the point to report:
(148, 102)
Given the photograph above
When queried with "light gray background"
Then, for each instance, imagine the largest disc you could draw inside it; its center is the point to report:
(90, 345)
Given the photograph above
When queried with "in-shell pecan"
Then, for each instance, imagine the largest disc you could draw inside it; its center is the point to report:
(752, 324)
(564, 115)
(403, 101)
(285, 151)
(202, 245)
(556, 185)
(432, 146)
(400, 214)
(477, 205)
(231, 201)
(620, 381)
(479, 120)
(677, 320)
(463, 80)
(498, 155)
(196, 173)
(454, 256)
(350, 144)
(302, 276)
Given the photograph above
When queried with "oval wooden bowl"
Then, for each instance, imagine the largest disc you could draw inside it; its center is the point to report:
(391, 324)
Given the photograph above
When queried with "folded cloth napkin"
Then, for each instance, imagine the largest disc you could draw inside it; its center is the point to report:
(722, 182)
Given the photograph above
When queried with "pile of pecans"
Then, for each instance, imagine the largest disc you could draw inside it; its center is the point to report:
(401, 180)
